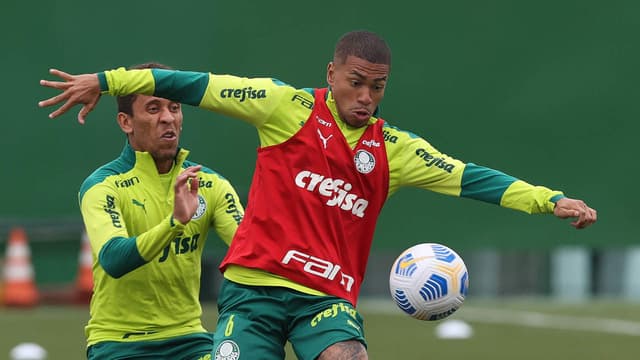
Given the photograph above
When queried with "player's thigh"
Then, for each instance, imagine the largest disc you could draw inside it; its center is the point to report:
(328, 328)
(251, 323)
(188, 347)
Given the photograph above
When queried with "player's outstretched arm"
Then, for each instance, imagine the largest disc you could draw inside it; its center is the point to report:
(573, 208)
(75, 89)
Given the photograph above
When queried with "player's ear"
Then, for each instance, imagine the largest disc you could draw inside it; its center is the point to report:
(330, 73)
(125, 122)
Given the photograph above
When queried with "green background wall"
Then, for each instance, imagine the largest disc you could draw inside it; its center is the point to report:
(545, 91)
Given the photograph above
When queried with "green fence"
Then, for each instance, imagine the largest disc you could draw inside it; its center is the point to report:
(545, 91)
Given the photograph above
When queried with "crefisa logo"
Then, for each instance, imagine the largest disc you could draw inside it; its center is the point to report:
(227, 350)
(365, 162)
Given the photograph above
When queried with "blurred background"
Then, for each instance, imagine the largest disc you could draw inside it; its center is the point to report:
(544, 91)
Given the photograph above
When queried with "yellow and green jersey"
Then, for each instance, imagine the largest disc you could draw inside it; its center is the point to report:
(278, 111)
(146, 265)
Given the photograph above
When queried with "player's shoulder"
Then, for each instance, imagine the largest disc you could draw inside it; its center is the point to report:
(303, 96)
(394, 135)
(205, 172)
(103, 174)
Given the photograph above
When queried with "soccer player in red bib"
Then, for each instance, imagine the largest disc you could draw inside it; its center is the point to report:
(325, 167)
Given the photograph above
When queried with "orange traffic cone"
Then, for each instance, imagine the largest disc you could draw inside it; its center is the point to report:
(1, 286)
(84, 280)
(19, 285)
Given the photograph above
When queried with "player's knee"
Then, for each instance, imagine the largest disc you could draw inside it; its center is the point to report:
(345, 350)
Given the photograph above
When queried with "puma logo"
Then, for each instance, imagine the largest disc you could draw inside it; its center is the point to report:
(324, 140)
(141, 204)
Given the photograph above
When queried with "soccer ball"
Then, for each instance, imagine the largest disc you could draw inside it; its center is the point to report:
(429, 281)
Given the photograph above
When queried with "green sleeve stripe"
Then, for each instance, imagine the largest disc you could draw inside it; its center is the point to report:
(204, 169)
(120, 256)
(484, 184)
(554, 199)
(411, 135)
(279, 83)
(117, 166)
(102, 78)
(186, 87)
(95, 178)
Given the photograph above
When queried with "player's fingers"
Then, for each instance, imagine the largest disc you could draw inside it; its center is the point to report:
(565, 213)
(195, 184)
(86, 109)
(60, 85)
(191, 174)
(590, 217)
(53, 100)
(579, 224)
(192, 170)
(82, 115)
(60, 74)
(587, 217)
(61, 110)
(182, 180)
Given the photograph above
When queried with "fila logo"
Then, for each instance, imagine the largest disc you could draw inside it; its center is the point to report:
(324, 139)
(323, 122)
(319, 267)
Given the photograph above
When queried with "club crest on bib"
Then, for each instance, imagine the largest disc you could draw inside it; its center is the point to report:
(202, 207)
(365, 162)
(227, 350)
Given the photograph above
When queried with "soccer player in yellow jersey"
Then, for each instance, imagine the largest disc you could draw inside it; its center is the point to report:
(147, 214)
(326, 164)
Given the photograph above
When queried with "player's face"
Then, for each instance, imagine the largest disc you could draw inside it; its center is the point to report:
(358, 87)
(155, 127)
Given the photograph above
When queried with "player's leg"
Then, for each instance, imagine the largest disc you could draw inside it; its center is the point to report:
(351, 350)
(196, 346)
(326, 327)
(251, 323)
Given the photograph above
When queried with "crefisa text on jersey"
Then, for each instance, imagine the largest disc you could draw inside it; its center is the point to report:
(388, 137)
(430, 160)
(336, 189)
(244, 93)
(232, 208)
(109, 208)
(181, 245)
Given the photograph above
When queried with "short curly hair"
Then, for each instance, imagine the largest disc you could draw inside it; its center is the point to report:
(362, 44)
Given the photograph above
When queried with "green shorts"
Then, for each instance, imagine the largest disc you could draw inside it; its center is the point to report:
(187, 347)
(255, 322)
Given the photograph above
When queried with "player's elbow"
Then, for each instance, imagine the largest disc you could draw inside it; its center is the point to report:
(119, 256)
(113, 271)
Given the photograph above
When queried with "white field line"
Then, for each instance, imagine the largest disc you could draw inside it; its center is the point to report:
(524, 318)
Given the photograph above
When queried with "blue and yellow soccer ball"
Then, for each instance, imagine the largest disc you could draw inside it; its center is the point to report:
(429, 281)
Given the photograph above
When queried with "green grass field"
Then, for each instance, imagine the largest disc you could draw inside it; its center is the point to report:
(514, 329)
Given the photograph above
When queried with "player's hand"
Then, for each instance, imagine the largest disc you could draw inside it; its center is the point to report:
(577, 209)
(186, 194)
(75, 89)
